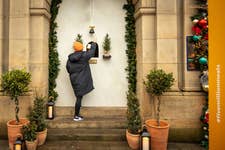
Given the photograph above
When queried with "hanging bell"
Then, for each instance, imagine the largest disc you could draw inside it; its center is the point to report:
(91, 31)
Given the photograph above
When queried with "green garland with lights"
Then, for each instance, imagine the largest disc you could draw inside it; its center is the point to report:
(199, 43)
(133, 110)
(53, 54)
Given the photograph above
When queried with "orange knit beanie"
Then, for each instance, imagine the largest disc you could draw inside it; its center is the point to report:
(77, 46)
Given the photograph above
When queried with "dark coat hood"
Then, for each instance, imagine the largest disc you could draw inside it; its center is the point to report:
(74, 57)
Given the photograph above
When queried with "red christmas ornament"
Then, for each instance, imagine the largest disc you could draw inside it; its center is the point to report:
(206, 37)
(205, 27)
(206, 119)
(202, 22)
(196, 30)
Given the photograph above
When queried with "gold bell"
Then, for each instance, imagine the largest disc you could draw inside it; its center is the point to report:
(91, 31)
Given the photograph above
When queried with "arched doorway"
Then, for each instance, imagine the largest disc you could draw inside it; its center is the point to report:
(109, 75)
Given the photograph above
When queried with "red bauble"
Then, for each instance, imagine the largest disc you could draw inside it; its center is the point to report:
(205, 27)
(206, 37)
(202, 22)
(206, 119)
(196, 30)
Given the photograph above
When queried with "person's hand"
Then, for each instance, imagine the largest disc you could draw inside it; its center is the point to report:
(88, 46)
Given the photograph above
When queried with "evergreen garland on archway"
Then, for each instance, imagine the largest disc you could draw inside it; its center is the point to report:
(130, 38)
(133, 110)
(53, 54)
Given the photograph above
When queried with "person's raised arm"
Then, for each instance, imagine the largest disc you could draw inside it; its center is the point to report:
(91, 53)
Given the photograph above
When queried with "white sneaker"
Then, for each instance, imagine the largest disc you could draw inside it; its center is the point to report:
(78, 118)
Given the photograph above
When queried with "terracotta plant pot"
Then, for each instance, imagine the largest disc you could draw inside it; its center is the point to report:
(14, 130)
(41, 137)
(159, 134)
(31, 145)
(133, 140)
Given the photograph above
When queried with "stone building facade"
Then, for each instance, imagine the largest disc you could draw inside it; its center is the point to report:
(161, 28)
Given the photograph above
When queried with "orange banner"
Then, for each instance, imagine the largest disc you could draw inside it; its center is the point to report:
(216, 74)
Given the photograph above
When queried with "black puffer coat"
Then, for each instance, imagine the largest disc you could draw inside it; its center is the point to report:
(79, 70)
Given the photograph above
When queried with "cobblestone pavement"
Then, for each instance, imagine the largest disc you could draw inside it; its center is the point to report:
(92, 145)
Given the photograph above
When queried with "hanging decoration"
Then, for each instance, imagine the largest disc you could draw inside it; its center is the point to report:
(92, 34)
(92, 27)
(106, 45)
(92, 31)
(199, 42)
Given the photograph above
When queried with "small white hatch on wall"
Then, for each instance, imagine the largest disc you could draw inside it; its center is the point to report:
(109, 76)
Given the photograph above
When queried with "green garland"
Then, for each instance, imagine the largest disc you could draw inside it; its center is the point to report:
(133, 110)
(53, 54)
(130, 38)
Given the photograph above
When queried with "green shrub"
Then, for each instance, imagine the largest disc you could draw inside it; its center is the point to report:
(29, 132)
(38, 112)
(15, 83)
(157, 83)
(133, 113)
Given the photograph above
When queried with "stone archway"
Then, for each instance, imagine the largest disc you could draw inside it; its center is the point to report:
(109, 75)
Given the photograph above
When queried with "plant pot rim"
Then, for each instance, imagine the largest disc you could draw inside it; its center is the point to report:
(153, 123)
(45, 130)
(11, 123)
(132, 133)
(105, 56)
(31, 141)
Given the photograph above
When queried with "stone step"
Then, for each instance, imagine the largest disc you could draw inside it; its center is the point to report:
(92, 111)
(99, 124)
(63, 122)
(84, 145)
(86, 134)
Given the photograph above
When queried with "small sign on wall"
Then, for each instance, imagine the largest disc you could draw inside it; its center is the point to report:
(191, 66)
(93, 61)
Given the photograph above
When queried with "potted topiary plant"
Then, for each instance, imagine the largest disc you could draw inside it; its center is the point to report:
(15, 83)
(133, 121)
(106, 47)
(158, 82)
(30, 135)
(37, 115)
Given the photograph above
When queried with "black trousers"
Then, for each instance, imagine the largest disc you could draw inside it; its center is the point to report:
(78, 105)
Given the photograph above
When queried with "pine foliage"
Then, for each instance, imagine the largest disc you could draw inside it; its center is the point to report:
(107, 43)
(53, 53)
(133, 111)
(38, 112)
(15, 83)
(79, 38)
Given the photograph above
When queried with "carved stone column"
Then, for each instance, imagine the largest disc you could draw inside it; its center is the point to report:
(39, 29)
(19, 29)
(167, 34)
(146, 49)
(1, 35)
(190, 78)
